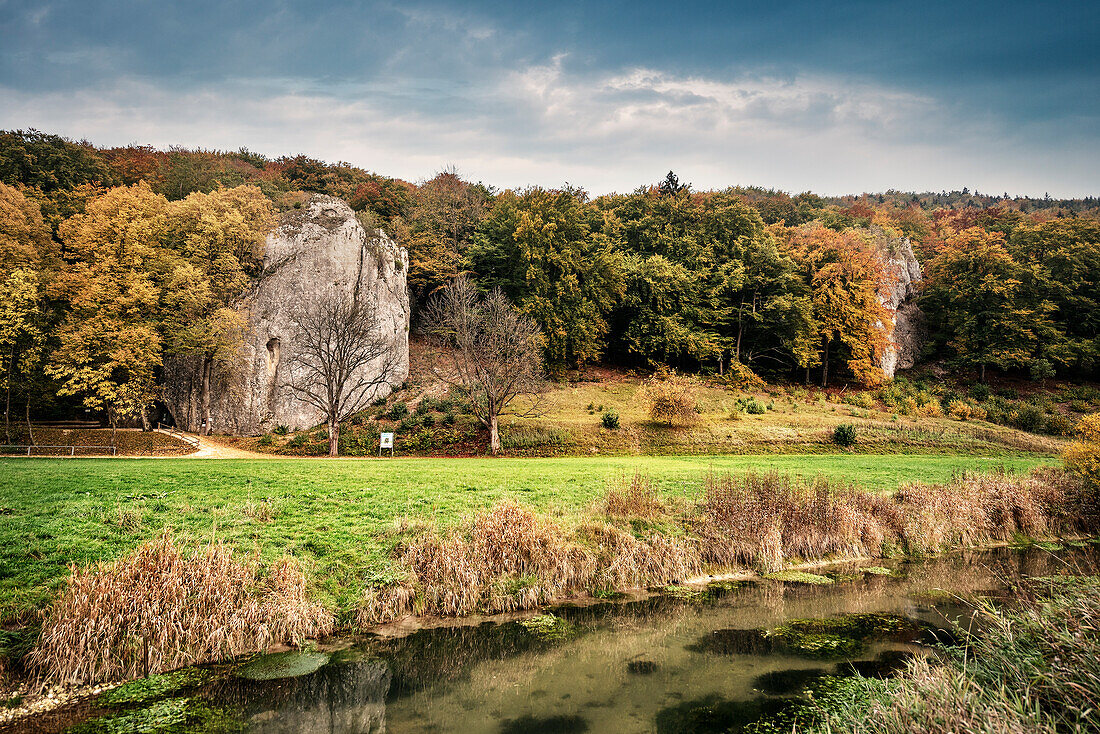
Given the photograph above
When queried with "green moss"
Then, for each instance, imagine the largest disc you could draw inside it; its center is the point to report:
(170, 716)
(548, 627)
(840, 637)
(282, 665)
(684, 593)
(149, 689)
(877, 571)
(799, 577)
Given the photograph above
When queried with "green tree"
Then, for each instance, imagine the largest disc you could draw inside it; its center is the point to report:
(983, 303)
(551, 252)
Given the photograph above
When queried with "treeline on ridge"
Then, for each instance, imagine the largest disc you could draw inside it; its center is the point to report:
(111, 258)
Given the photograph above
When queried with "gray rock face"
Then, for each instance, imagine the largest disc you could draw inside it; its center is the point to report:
(910, 330)
(318, 252)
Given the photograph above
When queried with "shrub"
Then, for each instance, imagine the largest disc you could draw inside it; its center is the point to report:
(280, 430)
(752, 406)
(844, 435)
(1080, 406)
(610, 420)
(397, 411)
(427, 420)
(959, 410)
(861, 400)
(930, 409)
(1028, 418)
(739, 375)
(297, 441)
(449, 419)
(408, 423)
(1059, 425)
(980, 391)
(266, 440)
(670, 399)
(1083, 455)
(158, 609)
(1041, 370)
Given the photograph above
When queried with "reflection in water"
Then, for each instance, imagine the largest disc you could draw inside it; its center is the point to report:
(661, 664)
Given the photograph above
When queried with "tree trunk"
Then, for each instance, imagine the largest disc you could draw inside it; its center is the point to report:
(30, 429)
(7, 405)
(740, 329)
(207, 368)
(333, 438)
(825, 366)
(494, 435)
(807, 376)
(114, 424)
(981, 374)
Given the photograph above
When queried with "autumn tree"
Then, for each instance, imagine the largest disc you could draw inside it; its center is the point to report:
(440, 228)
(848, 281)
(341, 357)
(217, 240)
(109, 343)
(981, 302)
(489, 349)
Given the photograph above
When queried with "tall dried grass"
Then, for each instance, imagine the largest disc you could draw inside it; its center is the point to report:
(763, 520)
(158, 609)
(505, 559)
(768, 520)
(633, 496)
(509, 558)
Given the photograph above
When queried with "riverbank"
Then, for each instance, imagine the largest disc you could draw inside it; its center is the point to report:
(511, 557)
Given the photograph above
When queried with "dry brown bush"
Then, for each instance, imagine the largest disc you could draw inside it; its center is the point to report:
(158, 609)
(505, 559)
(670, 399)
(768, 520)
(626, 562)
(764, 520)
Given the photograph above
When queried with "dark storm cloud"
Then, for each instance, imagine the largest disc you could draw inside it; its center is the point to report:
(830, 96)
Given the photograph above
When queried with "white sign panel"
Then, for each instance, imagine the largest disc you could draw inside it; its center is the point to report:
(386, 441)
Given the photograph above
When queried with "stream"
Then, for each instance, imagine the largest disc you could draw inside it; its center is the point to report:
(689, 660)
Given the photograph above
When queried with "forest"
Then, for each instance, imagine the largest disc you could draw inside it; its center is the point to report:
(113, 258)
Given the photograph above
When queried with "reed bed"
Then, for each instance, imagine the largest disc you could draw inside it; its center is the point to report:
(509, 558)
(159, 608)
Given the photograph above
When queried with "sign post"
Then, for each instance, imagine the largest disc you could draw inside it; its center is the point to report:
(385, 441)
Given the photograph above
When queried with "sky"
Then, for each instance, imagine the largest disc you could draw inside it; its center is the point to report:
(834, 97)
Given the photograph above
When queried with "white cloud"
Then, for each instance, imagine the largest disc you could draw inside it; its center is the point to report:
(545, 125)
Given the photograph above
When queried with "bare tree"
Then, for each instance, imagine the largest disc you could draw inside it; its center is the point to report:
(489, 349)
(340, 357)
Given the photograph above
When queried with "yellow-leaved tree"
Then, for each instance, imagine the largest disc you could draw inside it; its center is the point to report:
(218, 240)
(109, 343)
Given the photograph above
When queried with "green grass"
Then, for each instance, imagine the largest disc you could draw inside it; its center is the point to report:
(339, 517)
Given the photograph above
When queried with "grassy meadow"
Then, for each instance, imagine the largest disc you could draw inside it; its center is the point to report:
(341, 517)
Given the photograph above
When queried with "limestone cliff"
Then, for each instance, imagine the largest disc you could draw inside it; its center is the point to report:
(320, 251)
(910, 331)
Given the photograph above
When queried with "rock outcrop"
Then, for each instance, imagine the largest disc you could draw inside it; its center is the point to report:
(910, 330)
(318, 252)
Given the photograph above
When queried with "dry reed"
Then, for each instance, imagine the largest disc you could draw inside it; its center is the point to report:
(158, 609)
(633, 496)
(509, 558)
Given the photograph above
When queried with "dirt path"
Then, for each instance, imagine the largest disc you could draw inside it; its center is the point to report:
(210, 448)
